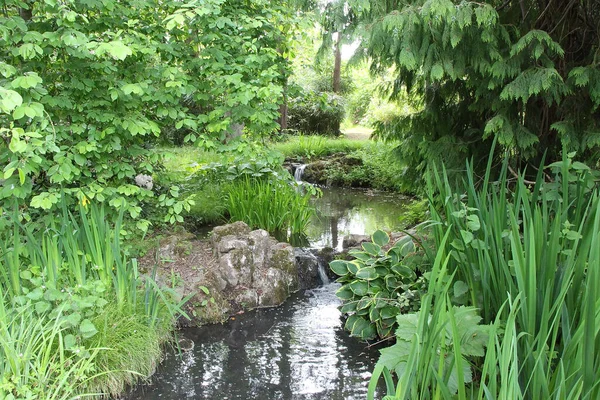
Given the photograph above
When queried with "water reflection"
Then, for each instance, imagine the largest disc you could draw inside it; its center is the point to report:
(341, 212)
(298, 351)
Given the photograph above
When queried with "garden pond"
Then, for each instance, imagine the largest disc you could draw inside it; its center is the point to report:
(297, 351)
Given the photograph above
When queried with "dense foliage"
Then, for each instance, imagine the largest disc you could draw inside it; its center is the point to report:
(85, 87)
(528, 259)
(318, 113)
(526, 71)
(76, 315)
(378, 285)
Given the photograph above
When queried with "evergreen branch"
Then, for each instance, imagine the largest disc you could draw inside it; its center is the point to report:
(499, 8)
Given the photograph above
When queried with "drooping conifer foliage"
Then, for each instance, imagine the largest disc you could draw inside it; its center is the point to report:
(525, 70)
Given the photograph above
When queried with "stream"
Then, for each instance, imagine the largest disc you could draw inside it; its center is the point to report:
(298, 351)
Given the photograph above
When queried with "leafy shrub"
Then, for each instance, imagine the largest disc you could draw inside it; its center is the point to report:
(415, 212)
(316, 113)
(378, 285)
(373, 164)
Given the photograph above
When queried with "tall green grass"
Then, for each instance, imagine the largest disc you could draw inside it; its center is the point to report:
(529, 253)
(273, 205)
(67, 292)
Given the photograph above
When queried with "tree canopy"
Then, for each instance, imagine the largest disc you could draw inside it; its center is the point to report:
(86, 86)
(525, 71)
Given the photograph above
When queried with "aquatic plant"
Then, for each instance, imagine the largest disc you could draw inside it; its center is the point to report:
(275, 205)
(526, 254)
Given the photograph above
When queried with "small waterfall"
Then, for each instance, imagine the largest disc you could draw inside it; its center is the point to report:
(323, 273)
(299, 172)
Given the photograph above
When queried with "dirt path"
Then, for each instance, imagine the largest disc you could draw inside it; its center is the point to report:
(357, 133)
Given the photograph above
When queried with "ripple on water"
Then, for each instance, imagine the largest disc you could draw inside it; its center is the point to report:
(298, 351)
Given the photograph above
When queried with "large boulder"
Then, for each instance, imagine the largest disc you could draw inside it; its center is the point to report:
(308, 268)
(258, 269)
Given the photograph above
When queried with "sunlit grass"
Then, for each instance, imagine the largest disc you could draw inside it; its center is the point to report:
(310, 147)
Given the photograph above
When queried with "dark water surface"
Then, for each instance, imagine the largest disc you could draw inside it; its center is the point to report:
(344, 211)
(297, 351)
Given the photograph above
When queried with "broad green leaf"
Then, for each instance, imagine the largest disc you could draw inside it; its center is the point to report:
(87, 329)
(9, 100)
(371, 248)
(460, 288)
(473, 223)
(339, 267)
(367, 273)
(69, 341)
(466, 236)
(345, 293)
(359, 288)
(380, 238)
(42, 307)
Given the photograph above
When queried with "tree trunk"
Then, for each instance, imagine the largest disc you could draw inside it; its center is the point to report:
(283, 110)
(337, 66)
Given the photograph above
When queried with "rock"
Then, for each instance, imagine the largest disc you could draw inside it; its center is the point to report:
(238, 228)
(316, 172)
(255, 266)
(247, 298)
(308, 268)
(354, 241)
(185, 344)
(144, 181)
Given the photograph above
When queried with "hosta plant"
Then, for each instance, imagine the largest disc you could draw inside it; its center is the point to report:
(379, 284)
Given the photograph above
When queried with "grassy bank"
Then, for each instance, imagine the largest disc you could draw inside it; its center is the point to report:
(76, 318)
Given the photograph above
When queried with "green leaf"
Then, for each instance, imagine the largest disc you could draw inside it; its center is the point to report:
(69, 341)
(119, 50)
(9, 100)
(403, 271)
(437, 72)
(87, 329)
(359, 288)
(380, 238)
(473, 223)
(42, 307)
(73, 319)
(467, 236)
(345, 293)
(460, 288)
(371, 248)
(368, 273)
(360, 327)
(339, 267)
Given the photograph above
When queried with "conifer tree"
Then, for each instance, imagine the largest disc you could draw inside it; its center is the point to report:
(526, 71)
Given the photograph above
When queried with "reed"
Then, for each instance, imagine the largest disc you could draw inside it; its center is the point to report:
(529, 254)
(273, 205)
(69, 296)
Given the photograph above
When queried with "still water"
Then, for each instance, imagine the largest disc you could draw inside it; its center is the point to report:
(343, 211)
(298, 351)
